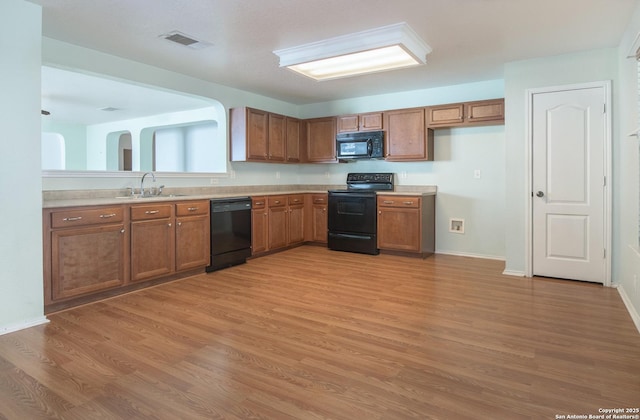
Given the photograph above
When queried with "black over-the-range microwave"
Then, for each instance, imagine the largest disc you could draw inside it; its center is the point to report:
(360, 145)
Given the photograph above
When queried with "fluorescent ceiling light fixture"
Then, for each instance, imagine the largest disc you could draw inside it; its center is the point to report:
(386, 48)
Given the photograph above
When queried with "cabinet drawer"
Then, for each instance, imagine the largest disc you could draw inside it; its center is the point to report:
(151, 211)
(258, 202)
(296, 199)
(399, 201)
(103, 215)
(192, 208)
(319, 199)
(277, 201)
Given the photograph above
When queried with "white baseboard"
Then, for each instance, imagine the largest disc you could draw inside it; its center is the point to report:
(627, 302)
(464, 254)
(514, 273)
(21, 326)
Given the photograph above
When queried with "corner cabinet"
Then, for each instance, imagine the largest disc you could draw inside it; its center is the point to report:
(407, 137)
(406, 223)
(487, 112)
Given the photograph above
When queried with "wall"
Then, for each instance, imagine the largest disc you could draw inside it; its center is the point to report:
(626, 262)
(458, 153)
(21, 295)
(582, 67)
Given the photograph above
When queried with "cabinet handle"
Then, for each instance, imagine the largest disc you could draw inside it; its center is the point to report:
(121, 230)
(72, 219)
(152, 212)
(192, 208)
(259, 203)
(408, 203)
(179, 223)
(277, 201)
(168, 224)
(388, 202)
(379, 212)
(106, 216)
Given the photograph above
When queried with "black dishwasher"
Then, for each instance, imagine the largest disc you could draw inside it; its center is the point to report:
(230, 232)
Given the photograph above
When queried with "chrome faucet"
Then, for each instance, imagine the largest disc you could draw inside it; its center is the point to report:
(142, 193)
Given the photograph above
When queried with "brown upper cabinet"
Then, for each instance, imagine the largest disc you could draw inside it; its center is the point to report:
(260, 136)
(486, 112)
(321, 139)
(359, 122)
(407, 137)
(293, 152)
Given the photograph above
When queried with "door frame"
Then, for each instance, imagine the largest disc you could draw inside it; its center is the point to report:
(606, 85)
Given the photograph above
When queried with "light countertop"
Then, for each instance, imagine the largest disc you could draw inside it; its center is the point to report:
(75, 198)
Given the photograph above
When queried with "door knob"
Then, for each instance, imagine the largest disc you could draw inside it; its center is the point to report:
(540, 194)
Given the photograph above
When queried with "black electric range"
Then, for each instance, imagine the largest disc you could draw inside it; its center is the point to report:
(352, 214)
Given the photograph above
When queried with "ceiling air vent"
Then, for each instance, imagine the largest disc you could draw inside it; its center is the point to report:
(186, 40)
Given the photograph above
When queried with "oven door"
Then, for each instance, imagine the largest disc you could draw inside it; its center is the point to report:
(352, 212)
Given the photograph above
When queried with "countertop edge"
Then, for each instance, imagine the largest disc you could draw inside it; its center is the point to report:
(123, 200)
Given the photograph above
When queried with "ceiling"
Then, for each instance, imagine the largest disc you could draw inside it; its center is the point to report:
(471, 39)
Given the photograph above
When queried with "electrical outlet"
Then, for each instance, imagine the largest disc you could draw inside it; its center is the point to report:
(277, 174)
(477, 174)
(214, 181)
(403, 175)
(327, 174)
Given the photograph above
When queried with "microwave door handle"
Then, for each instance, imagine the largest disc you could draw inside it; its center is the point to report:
(369, 147)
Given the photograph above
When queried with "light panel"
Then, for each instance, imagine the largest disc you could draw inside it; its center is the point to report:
(390, 47)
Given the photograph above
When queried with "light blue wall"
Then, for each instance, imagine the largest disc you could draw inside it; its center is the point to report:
(626, 249)
(21, 286)
(590, 66)
(458, 153)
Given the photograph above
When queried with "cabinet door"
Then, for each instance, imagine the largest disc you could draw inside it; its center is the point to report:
(406, 138)
(399, 229)
(293, 140)
(482, 111)
(259, 230)
(277, 138)
(321, 140)
(257, 134)
(446, 115)
(192, 242)
(277, 227)
(347, 123)
(87, 260)
(371, 121)
(319, 223)
(152, 248)
(296, 224)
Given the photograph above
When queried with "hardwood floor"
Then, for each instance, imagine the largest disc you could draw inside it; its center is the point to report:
(316, 334)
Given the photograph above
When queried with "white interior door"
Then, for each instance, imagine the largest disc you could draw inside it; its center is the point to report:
(568, 184)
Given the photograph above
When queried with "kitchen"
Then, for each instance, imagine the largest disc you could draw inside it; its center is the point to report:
(498, 196)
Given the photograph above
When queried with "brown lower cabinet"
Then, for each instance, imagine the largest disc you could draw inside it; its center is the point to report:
(87, 251)
(319, 218)
(406, 223)
(281, 221)
(92, 251)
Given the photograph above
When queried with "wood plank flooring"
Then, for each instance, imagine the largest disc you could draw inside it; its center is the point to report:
(316, 334)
